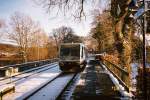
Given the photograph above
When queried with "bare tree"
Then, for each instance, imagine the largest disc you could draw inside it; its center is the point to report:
(102, 30)
(90, 42)
(72, 38)
(75, 8)
(38, 42)
(22, 28)
(52, 48)
(38, 39)
(60, 33)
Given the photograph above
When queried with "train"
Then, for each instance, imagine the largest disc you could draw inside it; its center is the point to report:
(72, 57)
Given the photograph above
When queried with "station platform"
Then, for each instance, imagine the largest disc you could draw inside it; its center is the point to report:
(96, 84)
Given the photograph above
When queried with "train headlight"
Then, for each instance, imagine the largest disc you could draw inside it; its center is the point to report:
(78, 62)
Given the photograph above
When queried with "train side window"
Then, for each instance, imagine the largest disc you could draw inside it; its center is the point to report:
(82, 53)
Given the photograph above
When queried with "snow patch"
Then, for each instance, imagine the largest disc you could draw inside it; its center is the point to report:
(81, 82)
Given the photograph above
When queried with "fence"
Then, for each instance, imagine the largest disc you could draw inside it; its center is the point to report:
(121, 74)
(5, 70)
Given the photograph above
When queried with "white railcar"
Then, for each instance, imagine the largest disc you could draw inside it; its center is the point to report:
(72, 57)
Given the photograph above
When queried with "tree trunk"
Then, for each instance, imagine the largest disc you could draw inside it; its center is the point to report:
(100, 43)
(23, 54)
(123, 46)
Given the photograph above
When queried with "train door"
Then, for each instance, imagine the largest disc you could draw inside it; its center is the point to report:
(83, 56)
(82, 53)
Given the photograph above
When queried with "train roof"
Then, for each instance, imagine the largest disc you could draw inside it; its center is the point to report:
(71, 44)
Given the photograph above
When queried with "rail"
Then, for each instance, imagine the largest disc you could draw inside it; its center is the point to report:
(121, 74)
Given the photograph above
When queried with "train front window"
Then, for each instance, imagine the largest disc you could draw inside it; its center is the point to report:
(64, 51)
(75, 51)
(70, 51)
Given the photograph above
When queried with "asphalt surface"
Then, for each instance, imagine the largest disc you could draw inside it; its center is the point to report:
(96, 84)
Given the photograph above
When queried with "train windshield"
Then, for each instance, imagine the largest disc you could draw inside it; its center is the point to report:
(70, 51)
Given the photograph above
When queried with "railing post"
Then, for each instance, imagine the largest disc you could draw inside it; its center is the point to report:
(10, 73)
(121, 74)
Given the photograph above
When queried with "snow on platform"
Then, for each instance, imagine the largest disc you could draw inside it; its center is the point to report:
(25, 74)
(30, 84)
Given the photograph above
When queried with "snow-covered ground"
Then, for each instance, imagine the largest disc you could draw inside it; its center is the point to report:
(51, 91)
(134, 73)
(30, 84)
(24, 74)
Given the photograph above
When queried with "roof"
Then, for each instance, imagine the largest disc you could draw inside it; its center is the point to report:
(71, 44)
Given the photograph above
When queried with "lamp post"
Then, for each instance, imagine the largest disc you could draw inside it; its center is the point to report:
(144, 55)
(141, 13)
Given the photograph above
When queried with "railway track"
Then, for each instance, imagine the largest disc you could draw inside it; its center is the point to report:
(26, 74)
(54, 89)
(66, 94)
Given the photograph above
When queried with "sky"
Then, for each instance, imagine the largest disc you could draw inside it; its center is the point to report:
(48, 21)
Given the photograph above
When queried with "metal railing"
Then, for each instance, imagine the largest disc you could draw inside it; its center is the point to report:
(26, 66)
(121, 74)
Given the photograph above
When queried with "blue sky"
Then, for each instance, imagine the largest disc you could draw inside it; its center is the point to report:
(47, 21)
